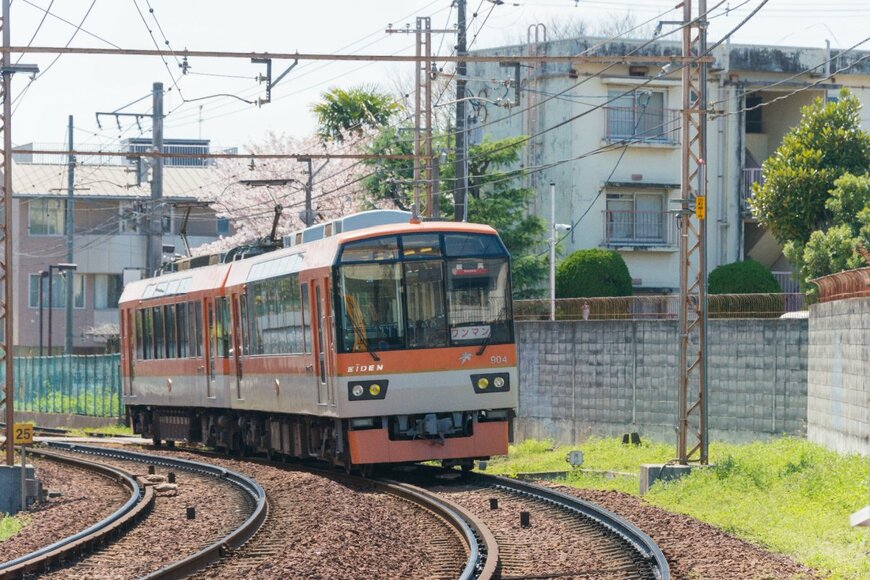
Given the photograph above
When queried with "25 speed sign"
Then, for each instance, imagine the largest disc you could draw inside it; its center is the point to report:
(23, 434)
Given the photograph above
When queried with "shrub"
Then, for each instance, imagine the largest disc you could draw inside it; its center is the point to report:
(592, 273)
(747, 277)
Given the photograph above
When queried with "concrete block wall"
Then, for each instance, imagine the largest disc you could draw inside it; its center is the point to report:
(582, 378)
(838, 411)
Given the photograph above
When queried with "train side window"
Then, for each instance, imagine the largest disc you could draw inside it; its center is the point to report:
(183, 335)
(306, 322)
(159, 341)
(137, 315)
(222, 332)
(196, 333)
(171, 343)
(243, 325)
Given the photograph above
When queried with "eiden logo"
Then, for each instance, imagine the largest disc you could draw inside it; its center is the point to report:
(364, 368)
(464, 358)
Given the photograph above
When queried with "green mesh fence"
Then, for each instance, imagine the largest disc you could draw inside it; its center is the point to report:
(70, 384)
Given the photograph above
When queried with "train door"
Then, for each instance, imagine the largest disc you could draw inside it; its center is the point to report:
(127, 341)
(209, 349)
(220, 331)
(320, 344)
(237, 344)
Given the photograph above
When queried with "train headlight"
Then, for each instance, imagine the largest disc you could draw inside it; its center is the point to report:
(367, 390)
(498, 382)
(491, 383)
(374, 390)
(482, 383)
(357, 391)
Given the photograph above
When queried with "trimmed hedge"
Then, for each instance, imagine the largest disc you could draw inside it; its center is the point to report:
(747, 277)
(592, 273)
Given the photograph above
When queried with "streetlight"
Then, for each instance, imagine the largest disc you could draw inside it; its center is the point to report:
(42, 276)
(61, 268)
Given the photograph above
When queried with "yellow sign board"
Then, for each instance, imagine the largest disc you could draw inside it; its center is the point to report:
(23, 434)
(701, 207)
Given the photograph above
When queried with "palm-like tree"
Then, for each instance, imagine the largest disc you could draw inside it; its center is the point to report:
(344, 111)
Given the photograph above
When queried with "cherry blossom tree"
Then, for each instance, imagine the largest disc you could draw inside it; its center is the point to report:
(337, 188)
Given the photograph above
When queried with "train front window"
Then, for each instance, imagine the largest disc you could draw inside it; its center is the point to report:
(427, 316)
(478, 295)
(372, 314)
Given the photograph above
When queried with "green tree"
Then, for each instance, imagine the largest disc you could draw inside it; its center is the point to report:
(344, 111)
(748, 277)
(798, 177)
(593, 273)
(839, 247)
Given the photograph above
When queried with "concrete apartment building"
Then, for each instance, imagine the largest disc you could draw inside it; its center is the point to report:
(109, 213)
(625, 198)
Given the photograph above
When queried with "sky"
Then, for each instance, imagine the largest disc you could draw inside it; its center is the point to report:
(81, 85)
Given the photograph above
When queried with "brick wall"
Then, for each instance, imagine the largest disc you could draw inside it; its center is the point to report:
(581, 378)
(839, 375)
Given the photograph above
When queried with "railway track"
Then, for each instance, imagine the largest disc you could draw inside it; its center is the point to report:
(459, 545)
(543, 533)
(231, 508)
(133, 510)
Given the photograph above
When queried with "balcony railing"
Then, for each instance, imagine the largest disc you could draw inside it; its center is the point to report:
(639, 228)
(750, 175)
(643, 125)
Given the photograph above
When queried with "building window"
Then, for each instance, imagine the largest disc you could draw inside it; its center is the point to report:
(640, 115)
(754, 121)
(223, 227)
(637, 219)
(107, 290)
(58, 291)
(46, 217)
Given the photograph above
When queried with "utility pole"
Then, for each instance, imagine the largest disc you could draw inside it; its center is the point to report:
(552, 251)
(6, 308)
(423, 116)
(154, 256)
(424, 162)
(7, 302)
(308, 216)
(692, 443)
(70, 232)
(460, 162)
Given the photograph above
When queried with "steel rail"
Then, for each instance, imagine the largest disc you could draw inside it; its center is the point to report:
(140, 502)
(482, 547)
(636, 538)
(216, 550)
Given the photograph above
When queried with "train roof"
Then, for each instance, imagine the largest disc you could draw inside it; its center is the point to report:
(306, 256)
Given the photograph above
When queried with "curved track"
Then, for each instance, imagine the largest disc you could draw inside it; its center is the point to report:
(196, 561)
(135, 508)
(565, 536)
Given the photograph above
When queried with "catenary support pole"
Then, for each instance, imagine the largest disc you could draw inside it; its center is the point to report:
(155, 211)
(460, 196)
(70, 233)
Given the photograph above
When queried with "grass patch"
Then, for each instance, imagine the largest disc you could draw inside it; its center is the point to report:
(110, 430)
(9, 526)
(788, 495)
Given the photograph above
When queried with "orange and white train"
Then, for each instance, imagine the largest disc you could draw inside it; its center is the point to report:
(356, 343)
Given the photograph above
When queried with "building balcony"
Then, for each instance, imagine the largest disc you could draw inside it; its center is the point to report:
(639, 229)
(643, 125)
(750, 175)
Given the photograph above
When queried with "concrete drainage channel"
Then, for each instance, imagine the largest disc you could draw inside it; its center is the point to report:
(142, 498)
